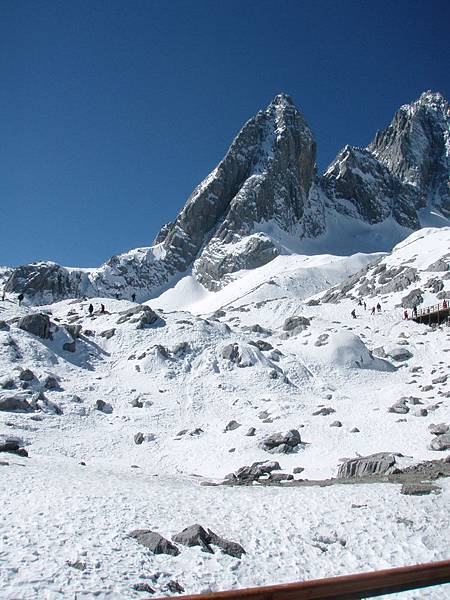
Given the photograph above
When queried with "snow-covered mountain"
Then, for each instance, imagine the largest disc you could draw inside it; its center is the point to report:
(149, 418)
(264, 199)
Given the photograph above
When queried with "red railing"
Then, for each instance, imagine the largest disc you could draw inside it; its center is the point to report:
(361, 585)
(422, 312)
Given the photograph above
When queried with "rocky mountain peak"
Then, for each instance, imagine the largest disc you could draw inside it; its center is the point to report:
(415, 148)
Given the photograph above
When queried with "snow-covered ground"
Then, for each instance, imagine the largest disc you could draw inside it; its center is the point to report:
(55, 509)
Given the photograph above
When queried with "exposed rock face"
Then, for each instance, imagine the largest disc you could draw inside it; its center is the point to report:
(360, 186)
(416, 149)
(381, 463)
(266, 190)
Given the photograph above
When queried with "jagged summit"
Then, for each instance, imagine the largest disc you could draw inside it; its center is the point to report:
(265, 198)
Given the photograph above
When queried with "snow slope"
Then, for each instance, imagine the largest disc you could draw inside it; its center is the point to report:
(55, 509)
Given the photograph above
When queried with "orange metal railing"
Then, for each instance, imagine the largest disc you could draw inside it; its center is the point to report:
(361, 585)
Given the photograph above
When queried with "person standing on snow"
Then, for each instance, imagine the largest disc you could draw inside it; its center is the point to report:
(133, 297)
(372, 312)
(20, 297)
(353, 313)
(379, 307)
(405, 315)
(91, 310)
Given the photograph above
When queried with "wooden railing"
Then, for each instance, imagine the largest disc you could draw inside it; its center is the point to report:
(361, 585)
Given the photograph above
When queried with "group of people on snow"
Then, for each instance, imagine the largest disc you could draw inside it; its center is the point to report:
(362, 303)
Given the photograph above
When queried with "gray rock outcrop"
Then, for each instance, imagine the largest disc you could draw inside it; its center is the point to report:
(382, 463)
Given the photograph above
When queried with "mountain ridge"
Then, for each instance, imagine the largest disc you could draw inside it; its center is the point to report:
(265, 198)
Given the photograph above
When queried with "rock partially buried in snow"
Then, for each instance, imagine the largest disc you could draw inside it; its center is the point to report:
(399, 407)
(251, 473)
(438, 429)
(232, 425)
(104, 407)
(70, 346)
(108, 333)
(326, 410)
(26, 375)
(282, 442)
(141, 314)
(441, 442)
(398, 353)
(138, 438)
(14, 403)
(382, 463)
(37, 324)
(155, 542)
(296, 324)
(419, 489)
(196, 535)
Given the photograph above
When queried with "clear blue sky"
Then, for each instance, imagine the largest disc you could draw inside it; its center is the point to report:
(111, 112)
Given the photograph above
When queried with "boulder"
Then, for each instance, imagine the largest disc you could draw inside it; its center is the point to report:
(155, 542)
(4, 326)
(136, 403)
(296, 324)
(282, 442)
(251, 432)
(108, 333)
(336, 424)
(231, 548)
(37, 324)
(251, 473)
(441, 442)
(26, 375)
(104, 407)
(16, 402)
(70, 346)
(261, 345)
(194, 535)
(142, 586)
(297, 470)
(174, 587)
(73, 330)
(141, 314)
(420, 412)
(232, 425)
(382, 463)
(398, 353)
(418, 489)
(324, 411)
(438, 429)
(138, 438)
(399, 407)
(231, 353)
(51, 383)
(280, 477)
